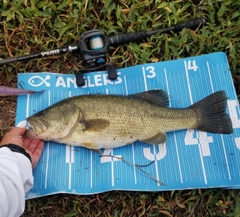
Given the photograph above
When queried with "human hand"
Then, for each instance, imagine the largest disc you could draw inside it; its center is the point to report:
(34, 147)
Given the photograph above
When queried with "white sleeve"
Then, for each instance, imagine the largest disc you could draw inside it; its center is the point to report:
(15, 180)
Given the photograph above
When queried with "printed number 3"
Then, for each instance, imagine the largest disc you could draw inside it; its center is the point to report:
(151, 71)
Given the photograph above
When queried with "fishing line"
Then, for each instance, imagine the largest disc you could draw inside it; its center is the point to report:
(136, 166)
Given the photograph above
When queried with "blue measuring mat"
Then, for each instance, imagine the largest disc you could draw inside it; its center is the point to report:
(189, 159)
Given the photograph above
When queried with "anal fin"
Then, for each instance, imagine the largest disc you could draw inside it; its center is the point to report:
(98, 151)
(157, 139)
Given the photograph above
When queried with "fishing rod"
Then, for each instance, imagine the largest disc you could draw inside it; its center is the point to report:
(94, 44)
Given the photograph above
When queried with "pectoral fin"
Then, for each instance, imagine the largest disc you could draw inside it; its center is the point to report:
(95, 125)
(157, 139)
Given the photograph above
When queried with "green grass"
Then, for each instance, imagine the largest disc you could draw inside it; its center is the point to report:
(28, 26)
(212, 202)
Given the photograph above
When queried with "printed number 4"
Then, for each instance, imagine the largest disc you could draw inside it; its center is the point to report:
(191, 65)
(201, 138)
(234, 114)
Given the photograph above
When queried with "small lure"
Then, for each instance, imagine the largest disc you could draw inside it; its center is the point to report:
(8, 91)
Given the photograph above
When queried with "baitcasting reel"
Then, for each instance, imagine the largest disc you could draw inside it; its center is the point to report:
(94, 44)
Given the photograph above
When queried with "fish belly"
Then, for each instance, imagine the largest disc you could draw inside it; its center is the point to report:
(109, 138)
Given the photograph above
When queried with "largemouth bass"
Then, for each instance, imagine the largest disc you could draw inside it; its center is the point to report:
(111, 121)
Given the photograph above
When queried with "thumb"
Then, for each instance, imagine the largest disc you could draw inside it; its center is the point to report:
(17, 131)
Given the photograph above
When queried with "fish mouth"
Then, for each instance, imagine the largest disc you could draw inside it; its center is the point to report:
(36, 125)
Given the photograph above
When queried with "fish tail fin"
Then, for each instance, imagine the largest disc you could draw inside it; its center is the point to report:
(212, 114)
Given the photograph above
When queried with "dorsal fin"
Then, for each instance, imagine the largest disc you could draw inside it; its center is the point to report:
(156, 97)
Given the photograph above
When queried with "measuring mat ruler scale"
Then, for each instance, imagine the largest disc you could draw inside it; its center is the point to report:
(188, 159)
